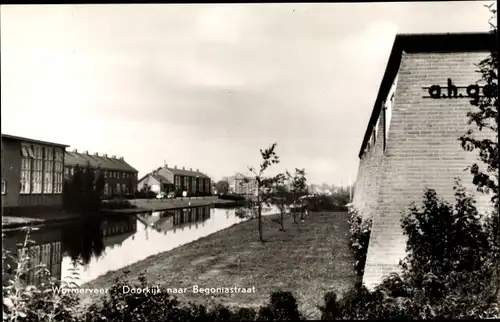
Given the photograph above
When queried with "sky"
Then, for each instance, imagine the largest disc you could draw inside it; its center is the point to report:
(208, 86)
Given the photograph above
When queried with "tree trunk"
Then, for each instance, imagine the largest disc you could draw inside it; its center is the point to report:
(282, 225)
(301, 211)
(294, 215)
(260, 224)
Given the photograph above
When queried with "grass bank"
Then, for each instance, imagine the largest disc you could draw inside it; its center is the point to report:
(308, 258)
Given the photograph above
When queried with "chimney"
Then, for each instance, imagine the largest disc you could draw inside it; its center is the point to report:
(96, 154)
(121, 158)
(75, 150)
(105, 155)
(86, 152)
(197, 170)
(113, 156)
(190, 169)
(175, 167)
(183, 168)
(166, 165)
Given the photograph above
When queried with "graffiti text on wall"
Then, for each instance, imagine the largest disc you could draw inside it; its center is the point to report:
(473, 91)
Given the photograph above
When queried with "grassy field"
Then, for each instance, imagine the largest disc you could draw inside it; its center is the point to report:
(308, 258)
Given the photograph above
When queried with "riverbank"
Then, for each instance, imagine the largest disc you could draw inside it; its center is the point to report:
(148, 205)
(308, 259)
(16, 222)
(142, 205)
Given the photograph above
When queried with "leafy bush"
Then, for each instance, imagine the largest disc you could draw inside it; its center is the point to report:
(117, 204)
(447, 273)
(327, 203)
(23, 302)
(231, 196)
(359, 230)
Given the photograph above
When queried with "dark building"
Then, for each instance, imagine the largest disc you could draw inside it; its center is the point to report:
(32, 175)
(167, 180)
(120, 177)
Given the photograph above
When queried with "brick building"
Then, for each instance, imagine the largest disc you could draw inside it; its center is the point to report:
(411, 142)
(242, 185)
(120, 177)
(168, 180)
(32, 175)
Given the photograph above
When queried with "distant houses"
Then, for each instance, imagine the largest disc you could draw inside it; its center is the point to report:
(120, 177)
(173, 179)
(242, 185)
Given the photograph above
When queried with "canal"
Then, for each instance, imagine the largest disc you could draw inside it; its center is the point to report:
(96, 246)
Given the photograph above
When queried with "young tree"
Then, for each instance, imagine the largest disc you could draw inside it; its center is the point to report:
(264, 184)
(486, 116)
(299, 189)
(281, 197)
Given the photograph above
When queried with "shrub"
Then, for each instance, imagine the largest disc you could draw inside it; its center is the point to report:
(23, 302)
(118, 204)
(228, 196)
(359, 230)
(327, 203)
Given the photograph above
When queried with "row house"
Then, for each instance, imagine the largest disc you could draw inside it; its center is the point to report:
(167, 179)
(120, 177)
(32, 175)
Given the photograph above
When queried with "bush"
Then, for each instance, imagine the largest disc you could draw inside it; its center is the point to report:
(359, 230)
(229, 196)
(118, 204)
(327, 203)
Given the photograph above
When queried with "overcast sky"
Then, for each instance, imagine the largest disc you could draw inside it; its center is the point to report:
(207, 86)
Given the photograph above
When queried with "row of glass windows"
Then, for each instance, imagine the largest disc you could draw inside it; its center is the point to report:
(119, 188)
(41, 169)
(107, 173)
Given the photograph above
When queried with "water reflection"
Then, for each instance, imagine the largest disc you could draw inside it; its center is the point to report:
(99, 244)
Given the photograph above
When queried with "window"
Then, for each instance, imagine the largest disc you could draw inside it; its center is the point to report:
(124, 188)
(25, 170)
(123, 175)
(37, 169)
(388, 107)
(58, 171)
(48, 169)
(185, 182)
(4, 187)
(117, 188)
(105, 174)
(106, 189)
(72, 171)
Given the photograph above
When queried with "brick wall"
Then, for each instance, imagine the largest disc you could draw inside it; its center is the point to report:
(422, 150)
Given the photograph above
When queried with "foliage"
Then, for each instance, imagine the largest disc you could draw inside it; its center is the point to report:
(485, 116)
(264, 185)
(222, 186)
(118, 204)
(231, 196)
(299, 189)
(336, 202)
(447, 272)
(83, 192)
(360, 231)
(281, 197)
(24, 302)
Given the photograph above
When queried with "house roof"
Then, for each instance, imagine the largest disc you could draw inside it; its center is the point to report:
(82, 159)
(186, 172)
(424, 43)
(19, 138)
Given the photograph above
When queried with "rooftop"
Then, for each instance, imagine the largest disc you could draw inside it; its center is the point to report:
(94, 160)
(19, 138)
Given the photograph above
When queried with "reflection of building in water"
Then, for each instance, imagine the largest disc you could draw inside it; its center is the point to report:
(116, 230)
(45, 249)
(176, 218)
